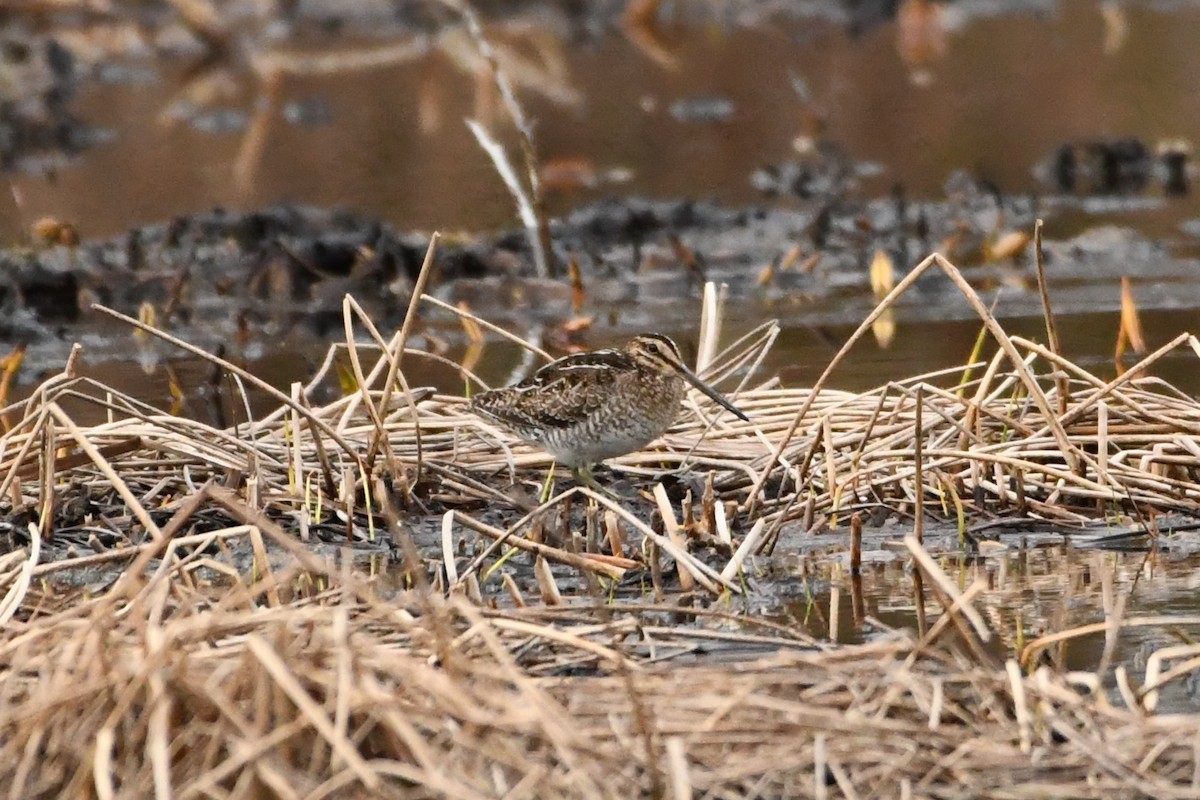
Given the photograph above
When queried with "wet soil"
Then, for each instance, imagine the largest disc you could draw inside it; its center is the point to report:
(1040, 578)
(247, 284)
(247, 278)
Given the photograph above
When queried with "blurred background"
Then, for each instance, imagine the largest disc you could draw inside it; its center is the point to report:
(788, 150)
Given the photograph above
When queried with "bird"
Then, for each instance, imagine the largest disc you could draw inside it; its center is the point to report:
(588, 407)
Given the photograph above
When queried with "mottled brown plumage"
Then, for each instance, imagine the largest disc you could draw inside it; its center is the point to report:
(586, 408)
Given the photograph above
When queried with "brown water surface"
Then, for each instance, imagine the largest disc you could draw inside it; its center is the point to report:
(1031, 592)
(991, 93)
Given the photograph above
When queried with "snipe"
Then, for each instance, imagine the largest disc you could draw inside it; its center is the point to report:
(585, 408)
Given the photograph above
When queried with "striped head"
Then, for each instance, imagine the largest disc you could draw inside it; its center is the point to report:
(658, 354)
(655, 352)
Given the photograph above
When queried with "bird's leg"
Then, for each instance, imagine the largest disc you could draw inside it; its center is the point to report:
(583, 476)
(547, 485)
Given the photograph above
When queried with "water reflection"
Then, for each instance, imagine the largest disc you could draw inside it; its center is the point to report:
(1031, 592)
(394, 144)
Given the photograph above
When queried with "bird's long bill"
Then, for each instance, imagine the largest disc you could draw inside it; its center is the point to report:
(710, 392)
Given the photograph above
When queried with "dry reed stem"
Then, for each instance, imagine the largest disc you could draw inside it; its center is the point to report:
(394, 362)
(197, 675)
(357, 693)
(989, 321)
(259, 383)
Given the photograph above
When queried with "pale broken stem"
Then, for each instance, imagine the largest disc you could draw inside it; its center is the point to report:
(551, 595)
(710, 328)
(671, 526)
(525, 209)
(749, 543)
(102, 763)
(448, 562)
(1020, 704)
(677, 761)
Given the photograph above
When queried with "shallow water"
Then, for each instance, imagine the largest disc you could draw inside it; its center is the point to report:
(1036, 584)
(990, 89)
(1031, 592)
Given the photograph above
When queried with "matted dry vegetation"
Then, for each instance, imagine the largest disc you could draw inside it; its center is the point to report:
(229, 657)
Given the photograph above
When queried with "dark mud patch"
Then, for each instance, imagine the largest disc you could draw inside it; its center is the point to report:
(236, 279)
(249, 282)
(38, 78)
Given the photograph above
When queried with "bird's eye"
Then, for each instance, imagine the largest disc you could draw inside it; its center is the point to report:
(653, 348)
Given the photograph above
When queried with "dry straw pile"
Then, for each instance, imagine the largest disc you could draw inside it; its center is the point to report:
(215, 652)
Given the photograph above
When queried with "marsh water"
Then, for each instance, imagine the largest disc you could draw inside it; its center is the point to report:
(906, 96)
(713, 103)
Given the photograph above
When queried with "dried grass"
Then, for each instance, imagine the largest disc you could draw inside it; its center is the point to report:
(337, 693)
(231, 658)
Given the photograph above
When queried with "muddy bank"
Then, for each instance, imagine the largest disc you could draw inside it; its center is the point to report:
(246, 281)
